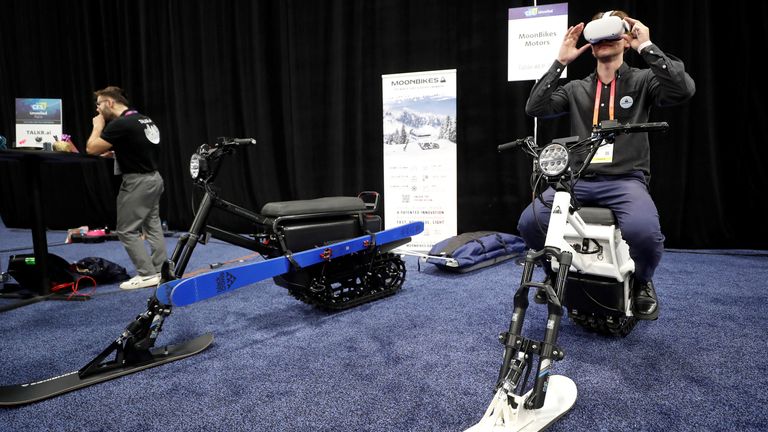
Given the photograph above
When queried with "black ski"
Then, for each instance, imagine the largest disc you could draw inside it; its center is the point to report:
(20, 394)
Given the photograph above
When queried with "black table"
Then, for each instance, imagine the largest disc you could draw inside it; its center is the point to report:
(79, 185)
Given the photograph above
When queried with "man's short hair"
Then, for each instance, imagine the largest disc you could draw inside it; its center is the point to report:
(113, 92)
(619, 13)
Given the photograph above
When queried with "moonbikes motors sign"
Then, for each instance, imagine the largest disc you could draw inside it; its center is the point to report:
(535, 36)
(420, 153)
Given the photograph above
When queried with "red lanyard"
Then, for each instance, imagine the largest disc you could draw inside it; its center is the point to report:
(610, 102)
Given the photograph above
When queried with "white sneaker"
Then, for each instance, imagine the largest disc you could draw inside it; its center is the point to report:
(140, 281)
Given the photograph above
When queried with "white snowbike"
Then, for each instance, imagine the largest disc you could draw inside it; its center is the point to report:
(591, 260)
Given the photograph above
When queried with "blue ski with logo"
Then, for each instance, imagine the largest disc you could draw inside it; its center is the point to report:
(182, 292)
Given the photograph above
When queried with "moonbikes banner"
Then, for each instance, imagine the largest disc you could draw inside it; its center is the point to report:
(420, 153)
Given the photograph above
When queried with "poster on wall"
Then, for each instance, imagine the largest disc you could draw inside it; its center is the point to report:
(420, 153)
(535, 36)
(38, 122)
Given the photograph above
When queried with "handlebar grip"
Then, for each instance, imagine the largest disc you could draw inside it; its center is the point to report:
(513, 144)
(649, 127)
(227, 142)
(244, 141)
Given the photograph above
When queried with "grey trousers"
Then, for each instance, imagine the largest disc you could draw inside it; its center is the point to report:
(138, 210)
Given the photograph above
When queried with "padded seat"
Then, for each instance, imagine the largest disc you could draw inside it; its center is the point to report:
(597, 216)
(320, 205)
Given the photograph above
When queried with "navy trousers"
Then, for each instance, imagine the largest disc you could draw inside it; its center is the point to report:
(630, 201)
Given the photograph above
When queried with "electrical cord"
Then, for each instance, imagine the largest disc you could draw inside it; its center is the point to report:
(537, 195)
(600, 304)
(30, 247)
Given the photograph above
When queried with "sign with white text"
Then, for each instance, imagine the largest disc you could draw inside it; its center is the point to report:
(535, 36)
(38, 122)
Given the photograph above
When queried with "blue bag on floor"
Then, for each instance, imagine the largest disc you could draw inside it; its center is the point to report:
(475, 250)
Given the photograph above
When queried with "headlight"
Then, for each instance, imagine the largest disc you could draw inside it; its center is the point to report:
(194, 166)
(553, 160)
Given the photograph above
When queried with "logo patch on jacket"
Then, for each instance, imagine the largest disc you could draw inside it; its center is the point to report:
(153, 133)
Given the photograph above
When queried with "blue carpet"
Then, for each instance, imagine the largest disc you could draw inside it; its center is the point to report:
(423, 360)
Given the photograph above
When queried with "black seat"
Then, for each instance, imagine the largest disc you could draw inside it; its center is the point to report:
(339, 204)
(597, 216)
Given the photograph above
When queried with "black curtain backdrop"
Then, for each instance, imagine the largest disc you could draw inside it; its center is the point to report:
(304, 79)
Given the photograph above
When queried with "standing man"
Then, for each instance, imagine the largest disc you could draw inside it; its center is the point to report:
(135, 140)
(618, 177)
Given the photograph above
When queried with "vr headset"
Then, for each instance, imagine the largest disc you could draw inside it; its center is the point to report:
(607, 28)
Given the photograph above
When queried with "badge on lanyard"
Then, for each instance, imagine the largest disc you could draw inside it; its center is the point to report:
(605, 152)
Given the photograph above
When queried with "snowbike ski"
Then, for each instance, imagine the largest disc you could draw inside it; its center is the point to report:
(134, 350)
(20, 394)
(183, 292)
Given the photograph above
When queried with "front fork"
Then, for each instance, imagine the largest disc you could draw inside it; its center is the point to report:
(519, 350)
(187, 242)
(133, 345)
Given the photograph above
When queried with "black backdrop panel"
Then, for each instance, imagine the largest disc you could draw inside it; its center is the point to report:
(304, 79)
(73, 194)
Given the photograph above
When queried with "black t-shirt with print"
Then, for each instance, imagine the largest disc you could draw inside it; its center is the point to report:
(135, 139)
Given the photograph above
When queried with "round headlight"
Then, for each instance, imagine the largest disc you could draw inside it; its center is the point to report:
(194, 166)
(553, 160)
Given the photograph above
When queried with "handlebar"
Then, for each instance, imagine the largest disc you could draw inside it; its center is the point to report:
(515, 143)
(606, 128)
(613, 127)
(205, 162)
(224, 141)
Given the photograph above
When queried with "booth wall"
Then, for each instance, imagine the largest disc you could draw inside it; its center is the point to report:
(304, 79)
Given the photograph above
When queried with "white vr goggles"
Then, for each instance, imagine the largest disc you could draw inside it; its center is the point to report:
(607, 28)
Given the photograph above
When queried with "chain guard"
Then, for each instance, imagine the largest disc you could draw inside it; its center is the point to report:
(351, 281)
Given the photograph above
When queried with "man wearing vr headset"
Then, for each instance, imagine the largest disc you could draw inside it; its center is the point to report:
(617, 177)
